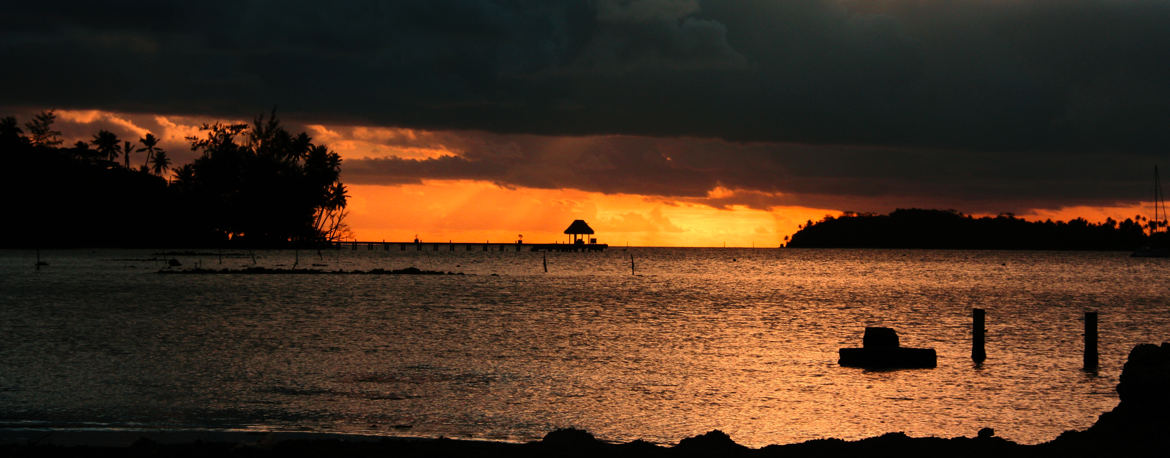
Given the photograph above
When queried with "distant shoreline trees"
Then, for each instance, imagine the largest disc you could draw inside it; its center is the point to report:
(252, 185)
(949, 229)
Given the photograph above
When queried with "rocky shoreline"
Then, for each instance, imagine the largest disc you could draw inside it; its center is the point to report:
(1138, 426)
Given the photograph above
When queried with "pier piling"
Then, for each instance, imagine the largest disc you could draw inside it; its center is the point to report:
(631, 263)
(1090, 341)
(978, 331)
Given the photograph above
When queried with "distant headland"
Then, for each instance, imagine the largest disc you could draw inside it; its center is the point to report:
(949, 229)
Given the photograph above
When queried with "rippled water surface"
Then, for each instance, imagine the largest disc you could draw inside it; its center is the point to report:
(744, 341)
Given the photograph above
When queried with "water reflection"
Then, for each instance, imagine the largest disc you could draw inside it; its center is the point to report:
(695, 342)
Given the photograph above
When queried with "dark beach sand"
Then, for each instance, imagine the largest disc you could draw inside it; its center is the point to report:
(1138, 426)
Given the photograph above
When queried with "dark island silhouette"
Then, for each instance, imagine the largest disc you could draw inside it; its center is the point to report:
(251, 186)
(949, 229)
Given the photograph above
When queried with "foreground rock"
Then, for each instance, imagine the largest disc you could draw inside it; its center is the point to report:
(1138, 427)
(1140, 424)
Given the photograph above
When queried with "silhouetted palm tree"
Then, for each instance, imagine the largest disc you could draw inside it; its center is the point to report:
(185, 176)
(107, 144)
(127, 148)
(161, 163)
(150, 145)
(8, 127)
(10, 135)
(40, 130)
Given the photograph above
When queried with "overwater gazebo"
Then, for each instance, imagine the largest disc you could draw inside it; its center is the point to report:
(578, 229)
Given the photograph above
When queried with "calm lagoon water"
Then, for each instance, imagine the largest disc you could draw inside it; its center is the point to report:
(739, 340)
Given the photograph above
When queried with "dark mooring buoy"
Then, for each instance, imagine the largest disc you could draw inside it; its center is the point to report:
(881, 350)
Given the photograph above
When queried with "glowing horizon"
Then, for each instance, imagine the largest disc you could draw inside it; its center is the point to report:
(468, 210)
(475, 211)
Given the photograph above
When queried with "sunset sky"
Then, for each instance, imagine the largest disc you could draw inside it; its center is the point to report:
(660, 122)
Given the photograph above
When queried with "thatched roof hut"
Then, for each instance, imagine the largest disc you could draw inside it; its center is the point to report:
(578, 229)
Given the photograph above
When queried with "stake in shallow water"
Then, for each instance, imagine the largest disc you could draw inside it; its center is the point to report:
(1091, 341)
(978, 353)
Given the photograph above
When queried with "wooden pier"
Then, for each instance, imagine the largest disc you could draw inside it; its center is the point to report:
(470, 246)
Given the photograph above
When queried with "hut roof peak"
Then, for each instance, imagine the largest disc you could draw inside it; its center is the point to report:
(579, 227)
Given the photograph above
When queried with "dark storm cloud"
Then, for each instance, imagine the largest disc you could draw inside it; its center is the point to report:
(977, 100)
(763, 175)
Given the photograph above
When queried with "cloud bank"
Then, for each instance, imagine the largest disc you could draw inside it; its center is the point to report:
(983, 103)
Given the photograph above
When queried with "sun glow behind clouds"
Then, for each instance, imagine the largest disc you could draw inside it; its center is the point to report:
(472, 211)
(353, 142)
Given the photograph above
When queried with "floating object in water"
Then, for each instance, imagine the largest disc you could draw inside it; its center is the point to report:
(880, 350)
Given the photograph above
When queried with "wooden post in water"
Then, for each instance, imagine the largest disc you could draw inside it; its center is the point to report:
(546, 263)
(631, 263)
(978, 319)
(1090, 341)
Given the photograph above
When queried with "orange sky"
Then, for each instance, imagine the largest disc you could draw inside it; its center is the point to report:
(475, 211)
(463, 210)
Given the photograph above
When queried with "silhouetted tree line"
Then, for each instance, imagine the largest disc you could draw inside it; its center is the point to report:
(256, 185)
(948, 229)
